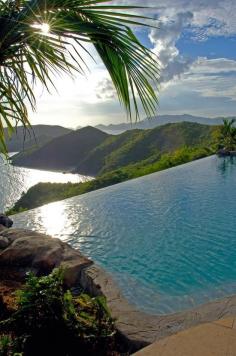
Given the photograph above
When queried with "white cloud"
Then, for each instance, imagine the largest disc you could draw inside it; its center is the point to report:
(208, 89)
(105, 89)
(164, 40)
(217, 66)
(213, 78)
(210, 17)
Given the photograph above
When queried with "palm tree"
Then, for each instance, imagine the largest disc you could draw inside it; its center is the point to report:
(227, 135)
(39, 38)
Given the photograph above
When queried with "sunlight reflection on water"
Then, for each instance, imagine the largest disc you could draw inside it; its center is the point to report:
(16, 180)
(54, 218)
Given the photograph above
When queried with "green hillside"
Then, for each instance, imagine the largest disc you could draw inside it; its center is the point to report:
(90, 151)
(137, 145)
(62, 153)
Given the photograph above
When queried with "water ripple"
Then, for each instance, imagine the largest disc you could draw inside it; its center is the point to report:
(169, 239)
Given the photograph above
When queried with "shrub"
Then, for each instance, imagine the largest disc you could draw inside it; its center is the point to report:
(50, 321)
(8, 346)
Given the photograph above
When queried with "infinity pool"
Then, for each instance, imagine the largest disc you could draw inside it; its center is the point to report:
(168, 239)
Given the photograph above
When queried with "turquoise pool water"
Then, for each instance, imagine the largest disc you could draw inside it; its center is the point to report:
(169, 239)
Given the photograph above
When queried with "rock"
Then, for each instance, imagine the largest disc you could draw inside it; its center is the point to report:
(72, 271)
(5, 221)
(41, 254)
(73, 263)
(14, 234)
(4, 242)
(29, 251)
(2, 228)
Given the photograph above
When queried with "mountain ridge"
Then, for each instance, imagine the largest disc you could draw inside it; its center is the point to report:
(92, 152)
(160, 120)
(62, 152)
(38, 135)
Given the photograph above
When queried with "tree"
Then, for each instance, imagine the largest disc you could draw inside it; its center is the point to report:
(227, 135)
(39, 38)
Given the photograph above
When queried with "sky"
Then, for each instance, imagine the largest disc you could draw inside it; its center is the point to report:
(196, 45)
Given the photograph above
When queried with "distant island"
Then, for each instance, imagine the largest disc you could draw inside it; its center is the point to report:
(150, 123)
(111, 158)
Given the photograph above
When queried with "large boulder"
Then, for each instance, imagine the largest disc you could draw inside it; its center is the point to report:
(2, 228)
(4, 242)
(5, 221)
(31, 251)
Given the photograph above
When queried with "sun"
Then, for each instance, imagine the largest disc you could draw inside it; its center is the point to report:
(45, 28)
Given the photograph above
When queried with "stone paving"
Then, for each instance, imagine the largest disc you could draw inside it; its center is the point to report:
(212, 339)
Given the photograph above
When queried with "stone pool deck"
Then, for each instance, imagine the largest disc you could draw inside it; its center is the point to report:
(212, 339)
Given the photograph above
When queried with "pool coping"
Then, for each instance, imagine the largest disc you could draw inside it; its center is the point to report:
(139, 329)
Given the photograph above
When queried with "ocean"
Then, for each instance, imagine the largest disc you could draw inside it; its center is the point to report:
(16, 180)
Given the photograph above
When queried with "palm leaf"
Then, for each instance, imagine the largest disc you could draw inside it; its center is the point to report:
(27, 55)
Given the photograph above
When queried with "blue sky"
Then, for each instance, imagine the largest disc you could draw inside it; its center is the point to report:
(213, 47)
(196, 45)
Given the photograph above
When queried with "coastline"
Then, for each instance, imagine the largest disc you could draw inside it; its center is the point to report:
(47, 169)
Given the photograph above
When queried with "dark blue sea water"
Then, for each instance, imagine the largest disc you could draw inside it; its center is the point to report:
(169, 239)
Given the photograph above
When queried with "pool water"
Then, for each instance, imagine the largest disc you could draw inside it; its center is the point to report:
(168, 239)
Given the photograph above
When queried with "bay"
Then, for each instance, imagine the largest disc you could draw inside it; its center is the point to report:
(16, 180)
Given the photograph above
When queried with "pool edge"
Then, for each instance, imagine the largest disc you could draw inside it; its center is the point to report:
(139, 329)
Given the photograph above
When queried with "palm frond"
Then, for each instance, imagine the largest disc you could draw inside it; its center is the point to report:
(28, 55)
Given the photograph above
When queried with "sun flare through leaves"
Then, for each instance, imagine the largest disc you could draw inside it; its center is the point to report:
(43, 28)
(66, 27)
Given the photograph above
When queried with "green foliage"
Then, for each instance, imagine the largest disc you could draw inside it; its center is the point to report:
(226, 135)
(28, 55)
(168, 160)
(143, 144)
(9, 346)
(50, 321)
(44, 193)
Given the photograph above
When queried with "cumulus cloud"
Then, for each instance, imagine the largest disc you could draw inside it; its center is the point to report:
(164, 39)
(203, 80)
(210, 17)
(200, 20)
(208, 81)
